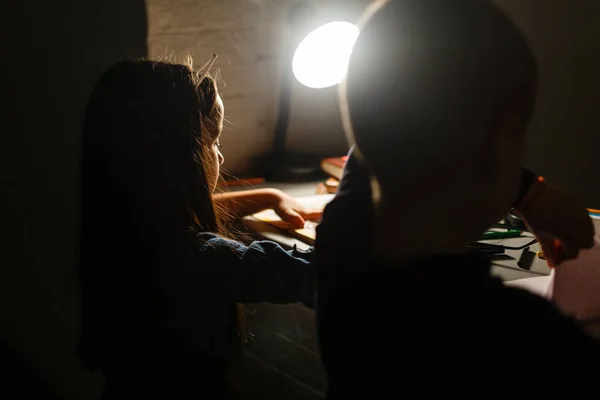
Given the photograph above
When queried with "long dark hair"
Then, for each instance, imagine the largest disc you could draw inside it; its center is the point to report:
(145, 187)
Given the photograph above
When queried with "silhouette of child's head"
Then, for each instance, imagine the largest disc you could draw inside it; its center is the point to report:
(440, 92)
(151, 141)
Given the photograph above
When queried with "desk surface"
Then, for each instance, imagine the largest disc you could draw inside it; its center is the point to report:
(504, 269)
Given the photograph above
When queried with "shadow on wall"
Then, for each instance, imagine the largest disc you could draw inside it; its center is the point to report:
(57, 51)
(564, 135)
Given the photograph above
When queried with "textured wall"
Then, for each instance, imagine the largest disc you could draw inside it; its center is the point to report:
(250, 37)
(241, 33)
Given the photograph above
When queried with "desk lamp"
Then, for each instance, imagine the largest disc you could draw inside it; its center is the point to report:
(319, 60)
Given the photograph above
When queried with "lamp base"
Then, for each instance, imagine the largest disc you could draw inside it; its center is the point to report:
(290, 167)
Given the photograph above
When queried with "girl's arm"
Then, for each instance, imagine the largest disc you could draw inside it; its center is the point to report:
(260, 272)
(248, 202)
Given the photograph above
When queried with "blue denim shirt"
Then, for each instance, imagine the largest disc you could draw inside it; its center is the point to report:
(219, 273)
(260, 272)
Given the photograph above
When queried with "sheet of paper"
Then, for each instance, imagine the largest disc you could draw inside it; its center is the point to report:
(540, 285)
(576, 285)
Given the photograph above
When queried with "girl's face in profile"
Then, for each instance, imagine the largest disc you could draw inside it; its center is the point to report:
(214, 129)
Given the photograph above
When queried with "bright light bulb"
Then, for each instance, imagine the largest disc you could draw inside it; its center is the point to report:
(321, 60)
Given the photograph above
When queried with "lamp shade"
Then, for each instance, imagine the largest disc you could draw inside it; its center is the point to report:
(321, 59)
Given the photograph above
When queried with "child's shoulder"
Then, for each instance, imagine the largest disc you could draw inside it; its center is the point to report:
(211, 242)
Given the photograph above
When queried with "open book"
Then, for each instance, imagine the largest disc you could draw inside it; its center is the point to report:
(308, 233)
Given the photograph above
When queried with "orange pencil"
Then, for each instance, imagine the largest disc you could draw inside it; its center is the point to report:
(593, 211)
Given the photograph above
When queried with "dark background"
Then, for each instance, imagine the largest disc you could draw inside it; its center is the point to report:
(54, 51)
(564, 137)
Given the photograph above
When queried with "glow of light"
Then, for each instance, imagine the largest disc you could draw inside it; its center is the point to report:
(321, 60)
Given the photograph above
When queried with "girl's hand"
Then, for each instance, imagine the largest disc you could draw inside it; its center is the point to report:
(292, 212)
(249, 202)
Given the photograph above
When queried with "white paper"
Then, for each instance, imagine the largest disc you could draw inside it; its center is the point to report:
(540, 285)
(576, 284)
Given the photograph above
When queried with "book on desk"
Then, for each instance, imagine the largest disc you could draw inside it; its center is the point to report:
(334, 166)
(330, 186)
